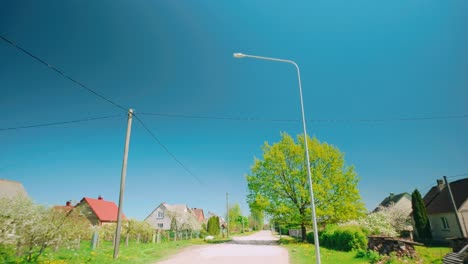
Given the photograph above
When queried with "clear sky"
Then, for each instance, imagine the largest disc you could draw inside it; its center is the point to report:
(360, 60)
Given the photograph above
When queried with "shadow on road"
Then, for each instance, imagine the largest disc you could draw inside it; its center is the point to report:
(253, 242)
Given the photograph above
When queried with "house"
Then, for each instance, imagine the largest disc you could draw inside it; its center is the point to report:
(401, 201)
(170, 217)
(98, 211)
(10, 189)
(67, 208)
(440, 209)
(199, 214)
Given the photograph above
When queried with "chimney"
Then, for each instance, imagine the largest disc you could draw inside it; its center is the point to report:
(440, 184)
(100, 197)
(68, 203)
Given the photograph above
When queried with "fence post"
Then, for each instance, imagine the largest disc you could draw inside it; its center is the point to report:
(94, 240)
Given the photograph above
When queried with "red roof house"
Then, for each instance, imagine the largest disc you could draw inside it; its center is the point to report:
(98, 211)
(198, 212)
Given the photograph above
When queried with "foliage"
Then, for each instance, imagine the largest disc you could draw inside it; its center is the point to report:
(213, 226)
(234, 214)
(398, 217)
(371, 255)
(343, 238)
(256, 219)
(377, 223)
(139, 230)
(135, 253)
(278, 183)
(33, 228)
(181, 220)
(421, 220)
(302, 253)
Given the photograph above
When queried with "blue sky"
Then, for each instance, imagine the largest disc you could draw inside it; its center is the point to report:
(359, 60)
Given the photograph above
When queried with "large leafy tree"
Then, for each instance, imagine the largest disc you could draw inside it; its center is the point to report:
(278, 183)
(420, 216)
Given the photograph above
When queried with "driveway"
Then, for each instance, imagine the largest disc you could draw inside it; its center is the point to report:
(254, 249)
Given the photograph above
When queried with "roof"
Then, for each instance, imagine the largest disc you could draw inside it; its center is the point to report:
(393, 199)
(199, 214)
(9, 189)
(438, 202)
(63, 208)
(176, 208)
(105, 211)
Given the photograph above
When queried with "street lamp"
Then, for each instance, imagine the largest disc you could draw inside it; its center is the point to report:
(312, 203)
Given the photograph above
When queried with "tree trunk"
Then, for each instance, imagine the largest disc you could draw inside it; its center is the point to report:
(303, 231)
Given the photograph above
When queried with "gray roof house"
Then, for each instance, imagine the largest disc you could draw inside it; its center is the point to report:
(441, 213)
(173, 216)
(402, 200)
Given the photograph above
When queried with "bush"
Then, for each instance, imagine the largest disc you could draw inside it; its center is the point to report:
(283, 230)
(372, 256)
(310, 237)
(213, 226)
(343, 238)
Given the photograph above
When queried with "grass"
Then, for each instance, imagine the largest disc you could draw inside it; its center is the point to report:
(134, 253)
(300, 253)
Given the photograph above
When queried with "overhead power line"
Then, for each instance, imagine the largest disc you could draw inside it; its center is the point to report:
(57, 70)
(166, 149)
(458, 175)
(60, 123)
(256, 119)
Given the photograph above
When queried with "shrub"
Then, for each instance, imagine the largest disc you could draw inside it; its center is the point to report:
(284, 230)
(343, 238)
(372, 256)
(310, 237)
(213, 226)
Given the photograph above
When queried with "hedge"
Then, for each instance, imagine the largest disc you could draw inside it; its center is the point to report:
(343, 238)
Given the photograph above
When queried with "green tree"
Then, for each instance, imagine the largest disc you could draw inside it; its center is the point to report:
(213, 226)
(420, 216)
(234, 214)
(256, 219)
(278, 183)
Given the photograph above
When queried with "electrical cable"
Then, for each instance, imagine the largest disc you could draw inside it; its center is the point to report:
(166, 149)
(59, 123)
(250, 119)
(62, 74)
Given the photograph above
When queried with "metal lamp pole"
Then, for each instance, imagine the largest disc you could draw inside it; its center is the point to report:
(312, 203)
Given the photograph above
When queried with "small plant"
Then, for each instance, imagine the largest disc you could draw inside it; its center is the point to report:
(372, 256)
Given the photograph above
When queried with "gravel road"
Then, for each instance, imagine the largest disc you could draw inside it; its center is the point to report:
(254, 249)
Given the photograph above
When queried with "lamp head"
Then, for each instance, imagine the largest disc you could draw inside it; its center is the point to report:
(238, 55)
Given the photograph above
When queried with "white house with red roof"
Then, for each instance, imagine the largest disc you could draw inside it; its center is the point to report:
(98, 211)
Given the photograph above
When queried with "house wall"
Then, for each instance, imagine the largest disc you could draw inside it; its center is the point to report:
(154, 219)
(437, 226)
(86, 211)
(404, 203)
(464, 216)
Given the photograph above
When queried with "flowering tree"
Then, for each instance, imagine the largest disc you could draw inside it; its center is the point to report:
(32, 228)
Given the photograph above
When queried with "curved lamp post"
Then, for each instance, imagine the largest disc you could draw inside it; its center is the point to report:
(312, 203)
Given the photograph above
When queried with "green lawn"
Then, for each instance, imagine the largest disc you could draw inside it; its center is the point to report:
(134, 253)
(304, 253)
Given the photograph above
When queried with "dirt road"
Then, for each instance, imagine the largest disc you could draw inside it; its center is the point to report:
(254, 249)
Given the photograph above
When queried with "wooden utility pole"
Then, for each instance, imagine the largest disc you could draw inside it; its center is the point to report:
(122, 184)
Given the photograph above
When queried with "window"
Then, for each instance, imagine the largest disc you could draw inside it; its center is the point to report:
(445, 224)
(160, 225)
(160, 214)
